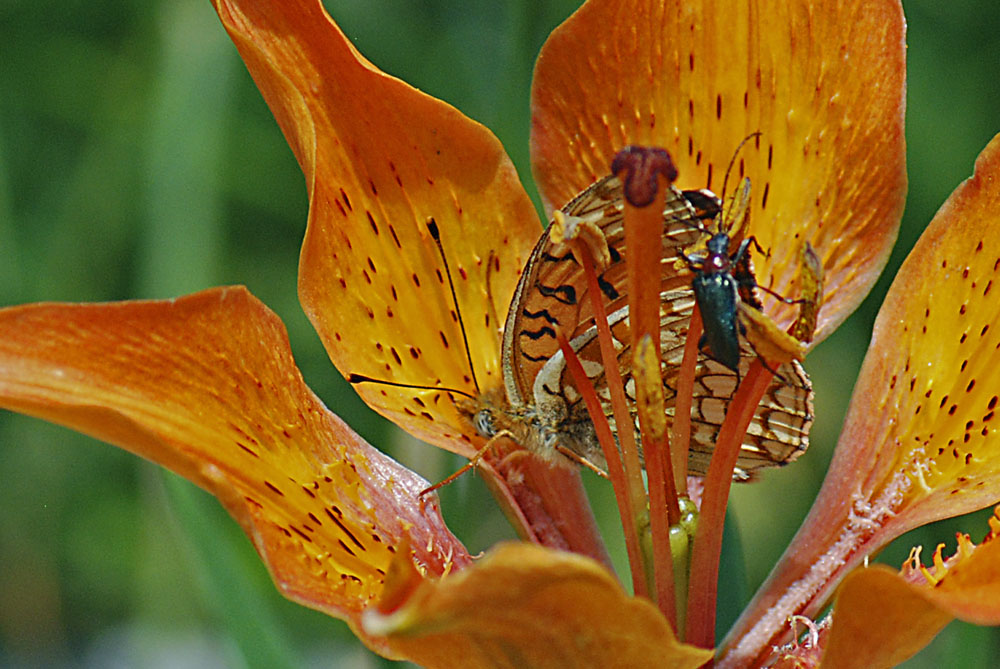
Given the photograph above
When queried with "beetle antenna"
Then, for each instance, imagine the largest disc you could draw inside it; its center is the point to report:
(732, 161)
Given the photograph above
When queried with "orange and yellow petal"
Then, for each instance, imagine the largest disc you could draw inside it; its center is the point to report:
(383, 160)
(881, 617)
(920, 441)
(205, 385)
(823, 84)
(526, 606)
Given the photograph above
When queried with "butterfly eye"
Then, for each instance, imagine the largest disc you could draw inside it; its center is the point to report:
(484, 423)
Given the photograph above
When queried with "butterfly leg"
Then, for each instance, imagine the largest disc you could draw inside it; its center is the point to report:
(575, 457)
(473, 462)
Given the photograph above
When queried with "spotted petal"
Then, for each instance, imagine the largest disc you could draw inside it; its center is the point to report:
(386, 166)
(920, 441)
(381, 161)
(697, 77)
(206, 386)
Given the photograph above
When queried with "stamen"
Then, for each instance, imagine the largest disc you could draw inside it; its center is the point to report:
(664, 509)
(615, 470)
(681, 442)
(635, 495)
(812, 295)
(704, 584)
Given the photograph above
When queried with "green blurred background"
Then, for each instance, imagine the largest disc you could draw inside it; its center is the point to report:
(138, 160)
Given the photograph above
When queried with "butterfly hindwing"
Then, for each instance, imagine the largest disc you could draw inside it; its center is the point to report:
(544, 404)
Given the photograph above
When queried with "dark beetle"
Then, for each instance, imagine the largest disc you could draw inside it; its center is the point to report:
(717, 291)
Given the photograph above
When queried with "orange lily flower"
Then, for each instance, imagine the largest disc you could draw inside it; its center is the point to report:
(206, 386)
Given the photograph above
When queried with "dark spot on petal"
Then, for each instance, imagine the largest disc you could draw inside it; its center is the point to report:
(247, 449)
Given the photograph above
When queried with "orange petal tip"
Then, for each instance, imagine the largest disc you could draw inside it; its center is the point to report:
(550, 608)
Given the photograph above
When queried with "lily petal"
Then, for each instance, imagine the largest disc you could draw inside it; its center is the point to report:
(696, 79)
(880, 619)
(382, 160)
(527, 606)
(205, 385)
(920, 441)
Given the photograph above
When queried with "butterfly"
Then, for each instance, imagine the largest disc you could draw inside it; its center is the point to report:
(542, 409)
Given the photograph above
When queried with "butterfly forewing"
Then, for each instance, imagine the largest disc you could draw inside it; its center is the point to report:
(552, 292)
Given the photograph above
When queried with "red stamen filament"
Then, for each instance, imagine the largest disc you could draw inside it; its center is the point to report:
(703, 587)
(615, 470)
(635, 492)
(682, 407)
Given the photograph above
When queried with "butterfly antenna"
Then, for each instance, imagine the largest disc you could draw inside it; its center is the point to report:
(732, 161)
(436, 235)
(361, 378)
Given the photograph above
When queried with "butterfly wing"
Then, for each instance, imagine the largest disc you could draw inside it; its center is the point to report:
(778, 433)
(552, 293)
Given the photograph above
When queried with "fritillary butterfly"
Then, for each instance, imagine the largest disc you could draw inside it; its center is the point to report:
(543, 410)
